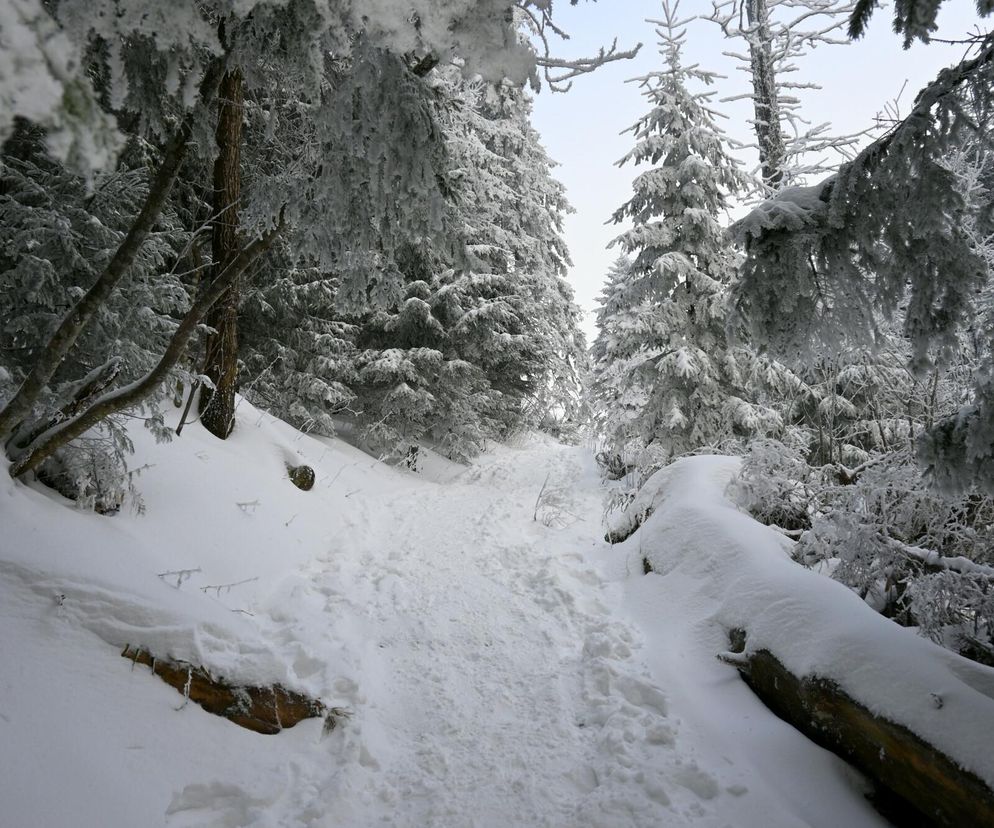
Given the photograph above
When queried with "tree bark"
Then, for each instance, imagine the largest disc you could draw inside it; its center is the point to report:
(18, 408)
(266, 709)
(766, 104)
(918, 784)
(217, 405)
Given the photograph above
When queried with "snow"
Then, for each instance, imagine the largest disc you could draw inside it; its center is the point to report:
(724, 570)
(492, 670)
(792, 208)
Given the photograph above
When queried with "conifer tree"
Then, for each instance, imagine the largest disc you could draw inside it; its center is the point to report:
(893, 234)
(512, 209)
(485, 339)
(616, 402)
(94, 73)
(695, 385)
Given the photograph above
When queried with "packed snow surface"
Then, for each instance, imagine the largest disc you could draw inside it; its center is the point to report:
(494, 661)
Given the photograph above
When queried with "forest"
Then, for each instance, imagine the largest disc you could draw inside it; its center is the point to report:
(297, 397)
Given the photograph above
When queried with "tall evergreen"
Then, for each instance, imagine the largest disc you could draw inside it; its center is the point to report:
(697, 388)
(485, 338)
(617, 403)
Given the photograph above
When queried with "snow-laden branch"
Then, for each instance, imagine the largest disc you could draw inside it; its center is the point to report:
(933, 560)
(559, 73)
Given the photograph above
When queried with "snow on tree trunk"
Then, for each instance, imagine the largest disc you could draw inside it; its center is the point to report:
(769, 132)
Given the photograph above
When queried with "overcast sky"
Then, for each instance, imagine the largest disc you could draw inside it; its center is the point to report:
(581, 129)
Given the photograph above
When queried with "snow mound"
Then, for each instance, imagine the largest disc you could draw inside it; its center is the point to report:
(811, 624)
(484, 662)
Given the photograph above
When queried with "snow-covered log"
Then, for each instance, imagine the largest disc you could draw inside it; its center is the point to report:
(916, 718)
(265, 710)
(923, 780)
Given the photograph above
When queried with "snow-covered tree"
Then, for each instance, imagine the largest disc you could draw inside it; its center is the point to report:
(156, 69)
(670, 311)
(58, 227)
(893, 230)
(616, 402)
(511, 209)
(412, 384)
(485, 339)
(296, 348)
(778, 34)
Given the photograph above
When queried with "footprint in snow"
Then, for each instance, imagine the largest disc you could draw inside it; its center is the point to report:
(218, 804)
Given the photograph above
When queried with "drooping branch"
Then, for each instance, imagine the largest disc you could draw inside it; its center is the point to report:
(18, 408)
(60, 434)
(853, 224)
(914, 19)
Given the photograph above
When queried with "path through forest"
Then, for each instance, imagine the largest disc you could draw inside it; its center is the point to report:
(494, 665)
(503, 682)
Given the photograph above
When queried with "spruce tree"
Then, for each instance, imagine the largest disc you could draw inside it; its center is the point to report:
(485, 339)
(697, 388)
(512, 209)
(617, 403)
(361, 175)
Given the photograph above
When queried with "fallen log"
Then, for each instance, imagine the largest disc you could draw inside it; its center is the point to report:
(265, 710)
(921, 785)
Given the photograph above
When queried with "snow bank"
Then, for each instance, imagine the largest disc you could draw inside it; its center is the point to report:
(813, 625)
(214, 548)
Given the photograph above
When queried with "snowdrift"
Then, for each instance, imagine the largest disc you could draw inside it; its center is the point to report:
(814, 627)
(213, 574)
(180, 587)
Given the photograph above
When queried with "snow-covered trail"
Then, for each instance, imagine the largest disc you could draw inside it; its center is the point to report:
(502, 682)
(491, 669)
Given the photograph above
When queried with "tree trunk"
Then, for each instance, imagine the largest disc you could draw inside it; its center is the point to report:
(18, 408)
(918, 784)
(217, 405)
(766, 103)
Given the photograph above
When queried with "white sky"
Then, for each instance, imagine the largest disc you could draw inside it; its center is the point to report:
(581, 129)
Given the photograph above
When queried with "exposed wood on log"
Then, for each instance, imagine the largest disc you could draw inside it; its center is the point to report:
(265, 710)
(920, 784)
(623, 533)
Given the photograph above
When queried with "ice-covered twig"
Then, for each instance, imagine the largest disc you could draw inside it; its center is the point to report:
(739, 661)
(217, 588)
(931, 558)
(180, 575)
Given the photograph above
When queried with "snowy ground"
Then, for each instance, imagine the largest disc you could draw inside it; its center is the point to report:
(497, 671)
